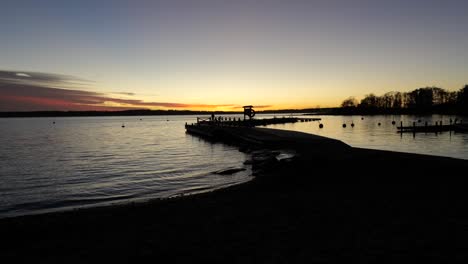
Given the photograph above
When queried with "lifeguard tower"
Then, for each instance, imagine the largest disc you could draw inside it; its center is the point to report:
(248, 111)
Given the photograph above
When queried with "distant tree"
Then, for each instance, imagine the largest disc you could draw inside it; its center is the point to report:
(452, 97)
(440, 96)
(421, 99)
(391, 100)
(369, 101)
(397, 100)
(462, 99)
(349, 102)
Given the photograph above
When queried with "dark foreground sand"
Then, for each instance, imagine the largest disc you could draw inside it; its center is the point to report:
(354, 205)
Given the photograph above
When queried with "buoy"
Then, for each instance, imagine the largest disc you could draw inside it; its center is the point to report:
(379, 124)
(344, 125)
(352, 124)
(321, 126)
(393, 122)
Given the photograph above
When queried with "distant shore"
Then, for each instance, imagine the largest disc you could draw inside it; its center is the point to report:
(325, 205)
(309, 111)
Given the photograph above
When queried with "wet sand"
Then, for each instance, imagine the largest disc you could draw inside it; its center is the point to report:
(326, 205)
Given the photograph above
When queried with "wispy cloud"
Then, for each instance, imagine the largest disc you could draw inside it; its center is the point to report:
(32, 91)
(41, 79)
(239, 107)
(262, 106)
(125, 93)
(23, 75)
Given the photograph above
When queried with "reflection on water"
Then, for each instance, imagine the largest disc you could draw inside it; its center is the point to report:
(89, 161)
(95, 161)
(367, 133)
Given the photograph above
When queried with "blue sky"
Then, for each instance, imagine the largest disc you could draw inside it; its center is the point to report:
(206, 53)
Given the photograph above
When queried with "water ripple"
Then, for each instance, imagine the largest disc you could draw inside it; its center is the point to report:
(93, 161)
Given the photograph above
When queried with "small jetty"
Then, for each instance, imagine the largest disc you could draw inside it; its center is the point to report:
(248, 120)
(437, 127)
(244, 132)
(265, 137)
(239, 122)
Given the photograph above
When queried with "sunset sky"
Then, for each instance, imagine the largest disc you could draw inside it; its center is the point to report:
(219, 55)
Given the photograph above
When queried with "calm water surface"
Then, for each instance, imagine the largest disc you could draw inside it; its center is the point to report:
(366, 133)
(89, 161)
(93, 161)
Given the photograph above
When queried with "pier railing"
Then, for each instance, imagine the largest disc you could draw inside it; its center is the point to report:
(437, 127)
(237, 121)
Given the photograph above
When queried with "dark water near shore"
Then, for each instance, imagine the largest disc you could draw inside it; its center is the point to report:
(93, 161)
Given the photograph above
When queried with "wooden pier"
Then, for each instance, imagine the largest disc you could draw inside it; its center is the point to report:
(438, 127)
(238, 122)
(266, 137)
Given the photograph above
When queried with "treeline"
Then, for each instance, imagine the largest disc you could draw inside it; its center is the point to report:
(428, 100)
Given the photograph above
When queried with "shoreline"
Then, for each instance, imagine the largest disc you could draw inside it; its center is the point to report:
(320, 206)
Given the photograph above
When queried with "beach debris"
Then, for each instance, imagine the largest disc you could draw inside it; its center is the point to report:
(285, 156)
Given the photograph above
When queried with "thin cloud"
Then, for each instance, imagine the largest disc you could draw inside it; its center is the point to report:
(262, 106)
(39, 78)
(40, 92)
(20, 74)
(125, 93)
(255, 106)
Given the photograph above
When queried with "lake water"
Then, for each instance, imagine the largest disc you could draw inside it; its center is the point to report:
(89, 161)
(93, 161)
(366, 133)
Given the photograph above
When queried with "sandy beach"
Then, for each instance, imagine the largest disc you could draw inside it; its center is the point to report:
(328, 204)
